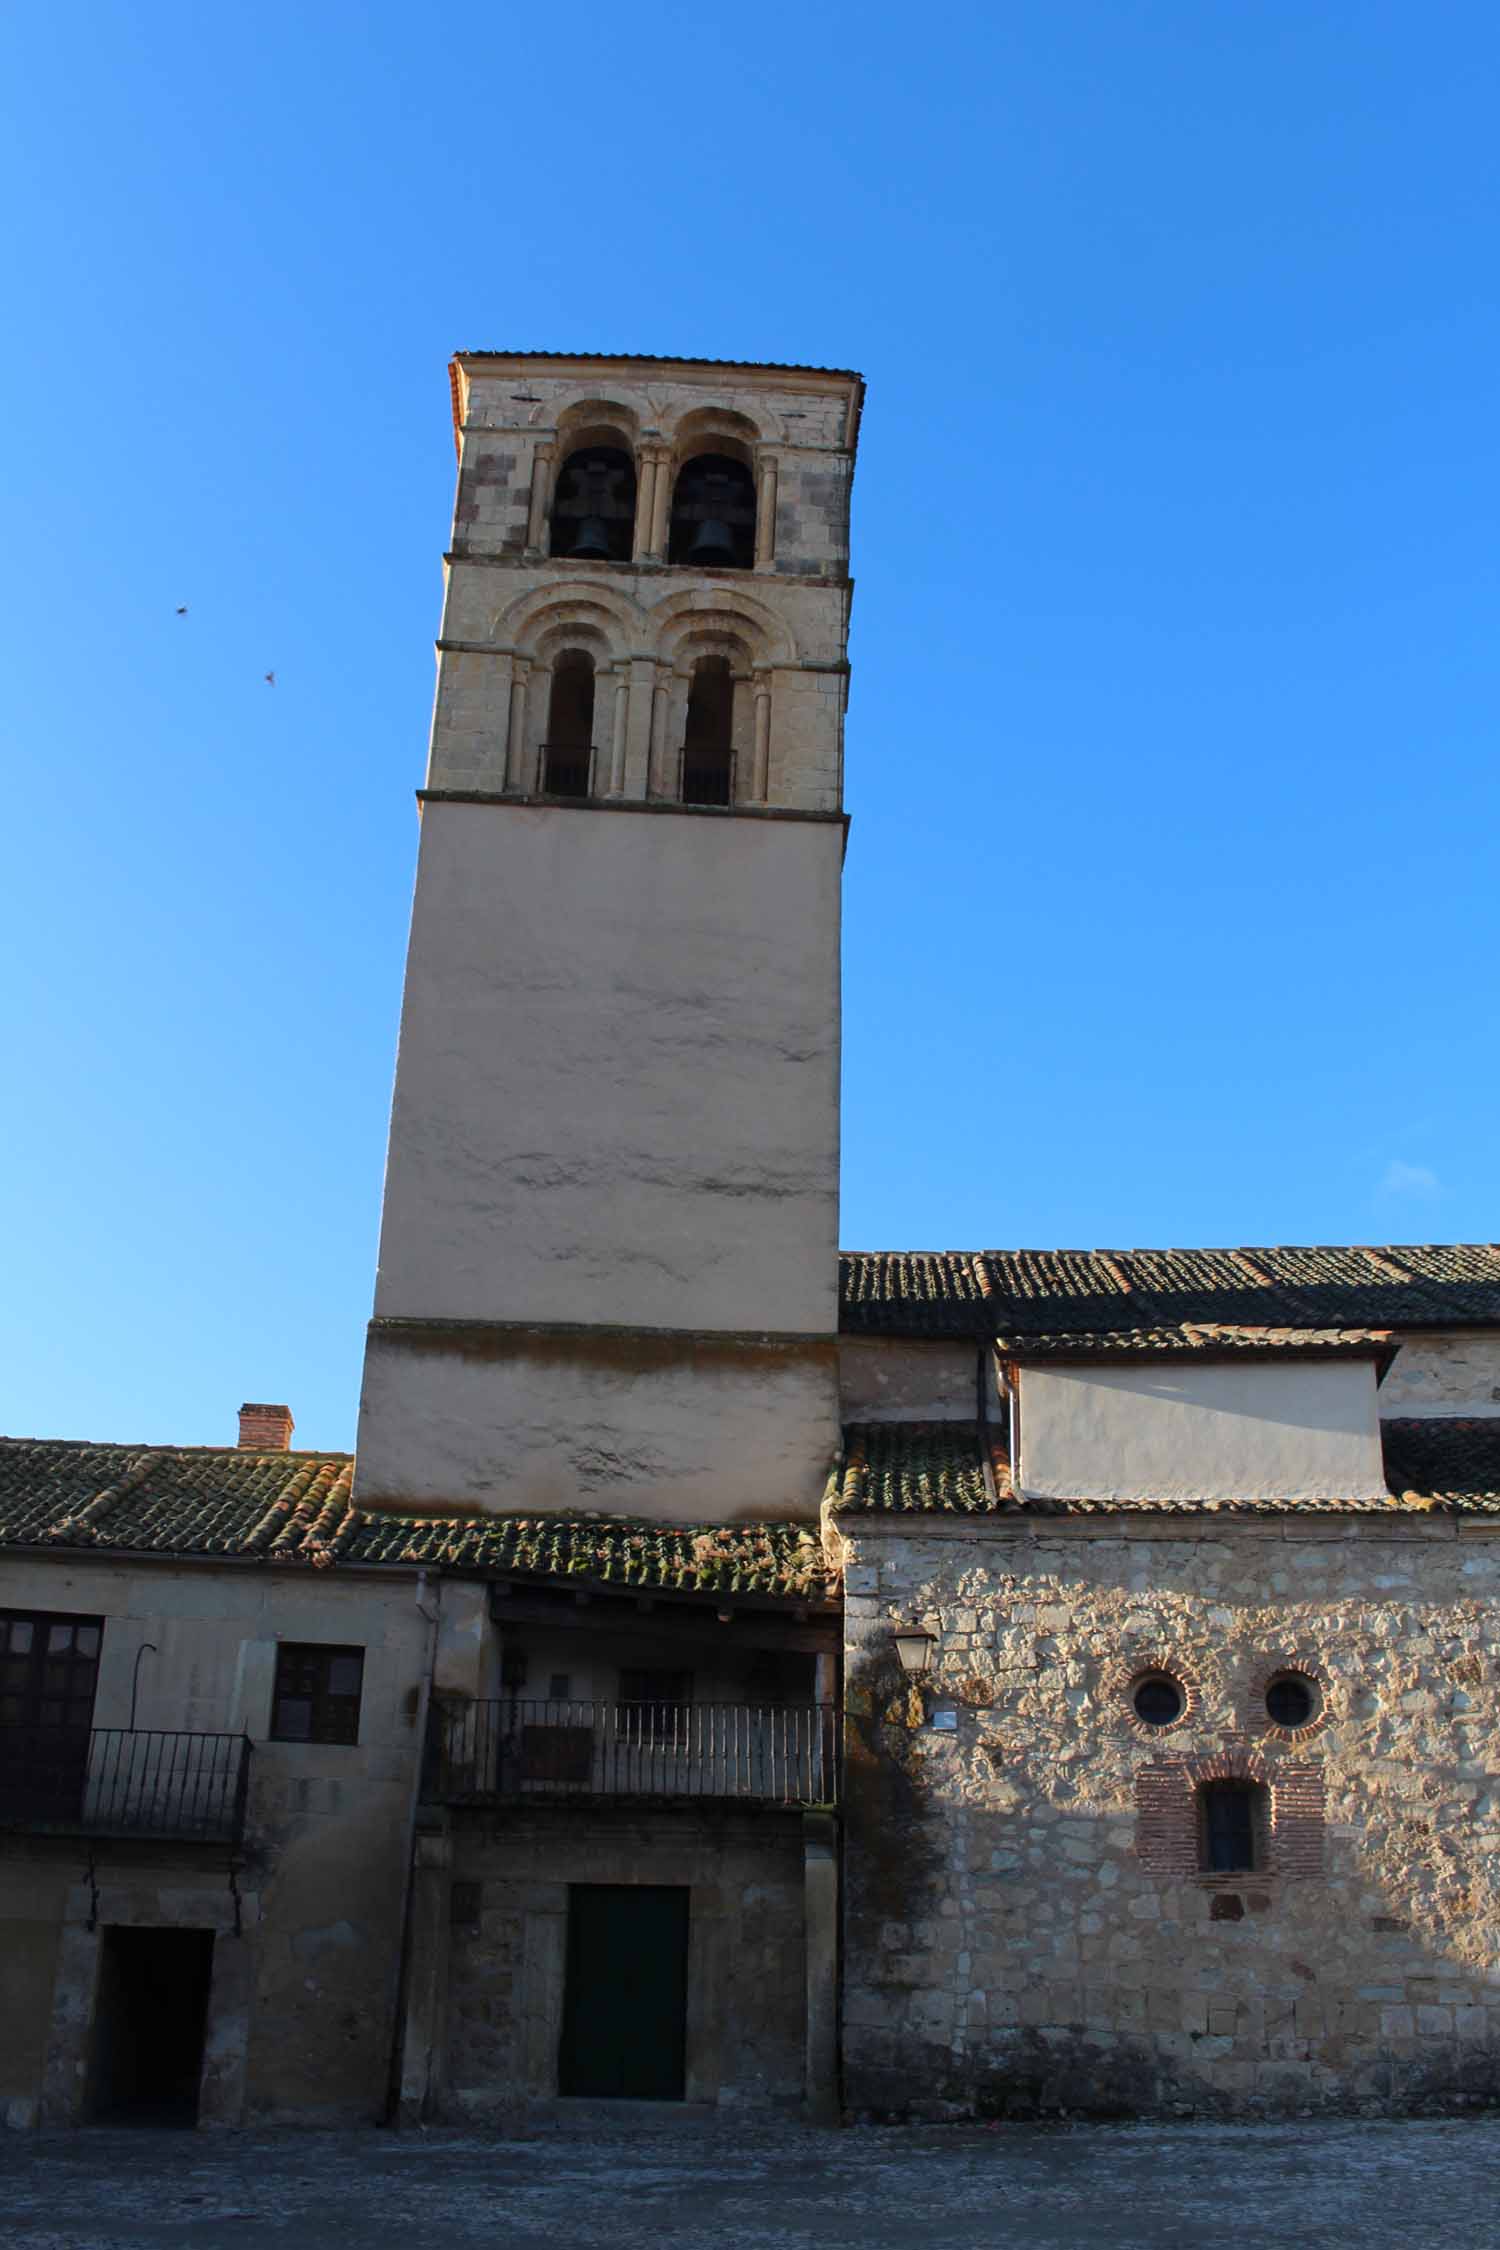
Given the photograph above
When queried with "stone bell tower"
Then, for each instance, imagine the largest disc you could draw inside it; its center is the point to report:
(608, 1260)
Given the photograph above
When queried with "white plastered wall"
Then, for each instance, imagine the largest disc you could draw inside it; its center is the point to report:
(616, 1095)
(1269, 1430)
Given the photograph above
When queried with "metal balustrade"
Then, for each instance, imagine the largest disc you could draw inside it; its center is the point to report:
(706, 777)
(770, 1754)
(124, 1781)
(567, 770)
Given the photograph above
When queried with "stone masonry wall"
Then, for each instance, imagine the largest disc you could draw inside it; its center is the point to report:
(1026, 1927)
(507, 1960)
(1457, 1373)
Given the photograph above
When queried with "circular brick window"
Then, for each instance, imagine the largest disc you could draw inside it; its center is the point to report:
(1291, 1700)
(1158, 1700)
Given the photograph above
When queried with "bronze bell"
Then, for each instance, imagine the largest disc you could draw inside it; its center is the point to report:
(711, 544)
(592, 543)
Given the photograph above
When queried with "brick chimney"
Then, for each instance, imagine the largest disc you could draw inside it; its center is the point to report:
(266, 1429)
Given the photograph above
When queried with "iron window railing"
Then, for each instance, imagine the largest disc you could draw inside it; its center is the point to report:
(567, 770)
(706, 777)
(773, 1754)
(124, 1781)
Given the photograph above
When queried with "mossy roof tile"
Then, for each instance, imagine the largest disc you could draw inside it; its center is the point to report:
(296, 1508)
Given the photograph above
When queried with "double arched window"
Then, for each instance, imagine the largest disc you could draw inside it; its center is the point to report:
(593, 513)
(713, 514)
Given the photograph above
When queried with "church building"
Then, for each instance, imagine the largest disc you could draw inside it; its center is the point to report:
(727, 1672)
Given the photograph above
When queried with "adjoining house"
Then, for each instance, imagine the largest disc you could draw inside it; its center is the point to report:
(989, 1682)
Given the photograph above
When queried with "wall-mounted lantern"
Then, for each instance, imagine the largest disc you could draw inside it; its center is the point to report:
(914, 1646)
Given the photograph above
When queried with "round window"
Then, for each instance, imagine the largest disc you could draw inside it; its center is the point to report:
(1158, 1699)
(1291, 1699)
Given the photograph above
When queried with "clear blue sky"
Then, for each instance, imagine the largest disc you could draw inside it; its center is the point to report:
(1171, 905)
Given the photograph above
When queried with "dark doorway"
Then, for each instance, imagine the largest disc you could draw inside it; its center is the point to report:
(148, 2026)
(625, 2002)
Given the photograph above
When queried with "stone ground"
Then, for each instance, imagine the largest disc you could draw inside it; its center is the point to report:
(758, 2187)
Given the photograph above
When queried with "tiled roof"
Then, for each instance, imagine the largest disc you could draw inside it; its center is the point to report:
(295, 1508)
(916, 1467)
(1043, 1294)
(670, 359)
(1454, 1461)
(937, 1467)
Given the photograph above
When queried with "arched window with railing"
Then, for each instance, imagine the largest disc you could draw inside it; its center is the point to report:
(713, 514)
(708, 738)
(593, 510)
(568, 753)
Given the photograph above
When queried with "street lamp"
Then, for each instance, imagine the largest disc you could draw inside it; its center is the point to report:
(914, 1646)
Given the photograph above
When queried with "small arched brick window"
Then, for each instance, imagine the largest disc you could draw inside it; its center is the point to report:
(568, 754)
(1233, 1827)
(713, 514)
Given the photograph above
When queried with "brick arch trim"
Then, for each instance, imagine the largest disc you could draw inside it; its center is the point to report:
(1166, 1809)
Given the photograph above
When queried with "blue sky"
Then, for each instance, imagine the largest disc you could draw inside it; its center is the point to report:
(1171, 912)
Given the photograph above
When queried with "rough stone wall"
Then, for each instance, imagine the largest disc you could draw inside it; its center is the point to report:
(1456, 1373)
(507, 1958)
(1026, 1926)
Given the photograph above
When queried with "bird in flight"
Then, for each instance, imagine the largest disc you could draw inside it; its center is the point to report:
(270, 679)
(182, 609)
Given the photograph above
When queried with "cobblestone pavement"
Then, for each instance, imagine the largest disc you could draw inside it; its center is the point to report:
(758, 2187)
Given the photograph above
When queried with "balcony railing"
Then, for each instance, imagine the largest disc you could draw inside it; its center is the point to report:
(567, 770)
(768, 1754)
(124, 1781)
(707, 776)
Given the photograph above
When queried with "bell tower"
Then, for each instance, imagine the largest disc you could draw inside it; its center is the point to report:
(608, 1259)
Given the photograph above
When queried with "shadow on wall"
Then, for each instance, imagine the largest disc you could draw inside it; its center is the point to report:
(1011, 1950)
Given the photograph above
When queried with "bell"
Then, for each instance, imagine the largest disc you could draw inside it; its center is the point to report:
(711, 544)
(592, 543)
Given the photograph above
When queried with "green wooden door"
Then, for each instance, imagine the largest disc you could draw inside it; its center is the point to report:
(625, 2002)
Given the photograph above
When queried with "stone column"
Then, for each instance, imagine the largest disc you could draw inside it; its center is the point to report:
(534, 735)
(645, 507)
(541, 478)
(621, 726)
(499, 698)
(513, 764)
(820, 1910)
(637, 782)
(656, 783)
(760, 779)
(424, 2007)
(661, 505)
(765, 516)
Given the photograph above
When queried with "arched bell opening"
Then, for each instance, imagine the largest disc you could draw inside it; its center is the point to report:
(713, 514)
(708, 737)
(593, 513)
(568, 752)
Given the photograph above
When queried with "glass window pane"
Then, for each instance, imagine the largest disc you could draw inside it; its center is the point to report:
(20, 1635)
(294, 1718)
(343, 1675)
(86, 1640)
(59, 1639)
